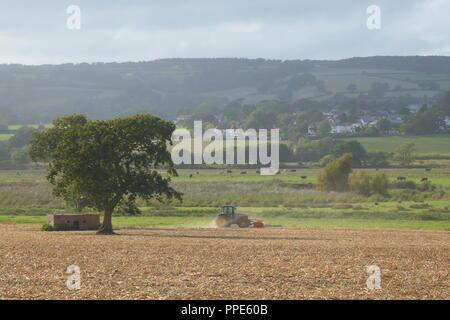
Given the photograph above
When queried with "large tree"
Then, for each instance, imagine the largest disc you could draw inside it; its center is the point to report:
(425, 121)
(108, 162)
(405, 153)
(353, 147)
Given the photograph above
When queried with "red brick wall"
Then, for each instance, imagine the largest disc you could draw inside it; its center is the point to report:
(74, 221)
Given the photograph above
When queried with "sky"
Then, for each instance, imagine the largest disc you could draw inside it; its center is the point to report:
(36, 32)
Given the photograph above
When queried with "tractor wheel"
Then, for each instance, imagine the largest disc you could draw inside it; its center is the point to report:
(222, 221)
(244, 223)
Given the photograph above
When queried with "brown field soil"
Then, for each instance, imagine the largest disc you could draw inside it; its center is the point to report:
(271, 263)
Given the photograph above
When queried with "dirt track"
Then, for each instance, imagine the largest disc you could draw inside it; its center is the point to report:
(272, 263)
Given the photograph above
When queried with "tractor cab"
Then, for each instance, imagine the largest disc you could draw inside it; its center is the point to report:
(229, 210)
(229, 217)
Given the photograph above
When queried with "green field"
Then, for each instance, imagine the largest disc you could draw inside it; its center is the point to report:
(5, 136)
(281, 200)
(18, 126)
(436, 144)
(208, 222)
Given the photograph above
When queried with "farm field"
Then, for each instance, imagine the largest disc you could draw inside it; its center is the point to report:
(18, 126)
(191, 263)
(436, 144)
(208, 222)
(247, 175)
(26, 198)
(5, 136)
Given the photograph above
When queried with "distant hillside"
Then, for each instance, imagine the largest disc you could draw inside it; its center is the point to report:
(31, 94)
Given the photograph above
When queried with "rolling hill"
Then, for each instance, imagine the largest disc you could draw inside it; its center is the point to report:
(32, 94)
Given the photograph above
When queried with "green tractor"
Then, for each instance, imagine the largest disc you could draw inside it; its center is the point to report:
(229, 216)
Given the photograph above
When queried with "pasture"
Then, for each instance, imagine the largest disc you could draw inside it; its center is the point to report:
(5, 136)
(283, 200)
(436, 144)
(18, 126)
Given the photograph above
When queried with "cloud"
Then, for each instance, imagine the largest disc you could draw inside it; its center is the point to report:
(275, 29)
(241, 27)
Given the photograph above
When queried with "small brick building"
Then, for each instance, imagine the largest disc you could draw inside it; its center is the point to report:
(89, 221)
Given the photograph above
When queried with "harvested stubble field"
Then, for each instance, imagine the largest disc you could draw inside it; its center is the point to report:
(271, 263)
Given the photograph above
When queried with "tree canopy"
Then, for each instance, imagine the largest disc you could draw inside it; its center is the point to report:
(353, 147)
(405, 153)
(335, 175)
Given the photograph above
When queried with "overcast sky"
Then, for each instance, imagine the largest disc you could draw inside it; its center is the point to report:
(35, 32)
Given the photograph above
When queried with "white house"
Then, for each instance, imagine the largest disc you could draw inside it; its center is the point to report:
(447, 121)
(413, 108)
(346, 127)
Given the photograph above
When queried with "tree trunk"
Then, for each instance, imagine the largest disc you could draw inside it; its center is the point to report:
(106, 227)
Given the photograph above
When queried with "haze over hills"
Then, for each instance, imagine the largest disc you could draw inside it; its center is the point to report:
(168, 87)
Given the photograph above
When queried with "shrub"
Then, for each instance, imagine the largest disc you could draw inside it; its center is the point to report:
(326, 160)
(359, 182)
(420, 206)
(377, 159)
(342, 206)
(335, 175)
(379, 184)
(426, 186)
(428, 217)
(47, 227)
(411, 185)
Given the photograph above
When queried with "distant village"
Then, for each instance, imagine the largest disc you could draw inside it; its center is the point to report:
(336, 126)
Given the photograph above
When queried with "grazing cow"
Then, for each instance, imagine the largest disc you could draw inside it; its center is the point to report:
(190, 176)
(229, 171)
(401, 178)
(304, 177)
(428, 169)
(293, 170)
(243, 172)
(198, 172)
(257, 171)
(424, 179)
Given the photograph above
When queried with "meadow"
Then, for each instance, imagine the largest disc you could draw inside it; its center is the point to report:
(435, 144)
(5, 136)
(283, 200)
(18, 126)
(287, 199)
